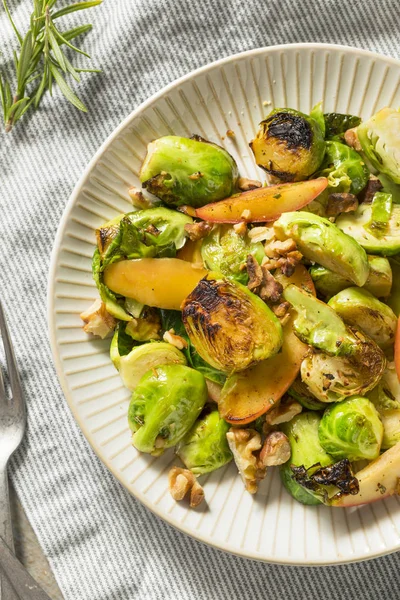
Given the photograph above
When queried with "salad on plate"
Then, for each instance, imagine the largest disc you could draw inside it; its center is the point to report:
(258, 322)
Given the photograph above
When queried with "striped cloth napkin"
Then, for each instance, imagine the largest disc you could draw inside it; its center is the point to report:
(101, 543)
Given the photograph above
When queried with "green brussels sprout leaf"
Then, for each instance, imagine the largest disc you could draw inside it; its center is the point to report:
(344, 168)
(381, 209)
(337, 124)
(379, 138)
(318, 116)
(300, 392)
(327, 483)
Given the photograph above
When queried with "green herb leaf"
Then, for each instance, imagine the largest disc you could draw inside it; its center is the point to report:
(58, 55)
(14, 107)
(17, 33)
(65, 41)
(73, 33)
(74, 7)
(66, 90)
(24, 61)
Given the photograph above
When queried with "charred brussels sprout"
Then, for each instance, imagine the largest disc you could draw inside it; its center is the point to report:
(322, 242)
(133, 362)
(357, 225)
(336, 124)
(205, 447)
(379, 281)
(289, 145)
(164, 407)
(379, 139)
(226, 252)
(361, 309)
(188, 171)
(344, 168)
(351, 429)
(230, 327)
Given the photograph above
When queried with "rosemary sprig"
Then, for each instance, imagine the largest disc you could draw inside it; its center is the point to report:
(40, 60)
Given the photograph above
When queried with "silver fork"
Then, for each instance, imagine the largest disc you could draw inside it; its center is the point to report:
(12, 428)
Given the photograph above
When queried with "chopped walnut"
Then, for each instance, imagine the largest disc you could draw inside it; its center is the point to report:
(196, 176)
(187, 210)
(138, 199)
(240, 228)
(275, 450)
(255, 273)
(182, 481)
(175, 340)
(270, 289)
(351, 139)
(152, 230)
(245, 184)
(97, 320)
(230, 133)
(373, 186)
(276, 248)
(197, 231)
(246, 215)
(290, 262)
(261, 234)
(283, 413)
(340, 203)
(281, 309)
(244, 443)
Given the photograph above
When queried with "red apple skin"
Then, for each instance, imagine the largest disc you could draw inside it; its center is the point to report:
(256, 390)
(378, 480)
(263, 204)
(397, 349)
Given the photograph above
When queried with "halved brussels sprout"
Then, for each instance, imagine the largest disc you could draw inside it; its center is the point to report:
(205, 448)
(289, 145)
(300, 392)
(356, 225)
(302, 433)
(379, 138)
(226, 252)
(394, 299)
(134, 364)
(386, 399)
(361, 309)
(322, 242)
(146, 327)
(230, 327)
(334, 378)
(344, 168)
(188, 171)
(379, 281)
(351, 429)
(164, 406)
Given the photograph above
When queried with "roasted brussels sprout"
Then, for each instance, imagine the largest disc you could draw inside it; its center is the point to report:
(351, 429)
(361, 309)
(334, 378)
(356, 225)
(300, 392)
(379, 281)
(188, 171)
(379, 138)
(226, 252)
(132, 363)
(344, 168)
(381, 209)
(394, 299)
(146, 327)
(154, 232)
(336, 124)
(322, 242)
(302, 433)
(386, 399)
(205, 448)
(230, 327)
(164, 406)
(289, 145)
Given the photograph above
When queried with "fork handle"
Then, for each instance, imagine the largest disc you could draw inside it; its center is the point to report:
(6, 590)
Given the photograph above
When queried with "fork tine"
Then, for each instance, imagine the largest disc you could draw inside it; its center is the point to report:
(2, 387)
(11, 362)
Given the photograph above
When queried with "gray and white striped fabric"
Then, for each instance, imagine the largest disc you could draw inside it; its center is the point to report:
(101, 543)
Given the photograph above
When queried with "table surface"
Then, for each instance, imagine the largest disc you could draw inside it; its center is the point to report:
(29, 552)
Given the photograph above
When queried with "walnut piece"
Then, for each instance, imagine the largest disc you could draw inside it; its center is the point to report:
(290, 262)
(244, 443)
(183, 481)
(197, 231)
(373, 186)
(276, 248)
(281, 309)
(246, 215)
(245, 184)
(175, 340)
(351, 139)
(283, 413)
(240, 228)
(340, 203)
(97, 320)
(230, 133)
(261, 234)
(270, 289)
(275, 450)
(138, 198)
(254, 272)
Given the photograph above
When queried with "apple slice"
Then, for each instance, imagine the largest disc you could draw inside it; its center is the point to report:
(397, 349)
(263, 204)
(160, 282)
(251, 393)
(377, 480)
(191, 252)
(301, 277)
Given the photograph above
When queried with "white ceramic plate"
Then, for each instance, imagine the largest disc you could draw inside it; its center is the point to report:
(234, 93)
